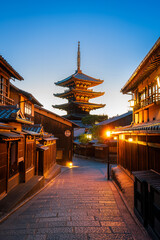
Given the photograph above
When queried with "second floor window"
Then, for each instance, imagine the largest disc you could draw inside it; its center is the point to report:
(3, 86)
(28, 108)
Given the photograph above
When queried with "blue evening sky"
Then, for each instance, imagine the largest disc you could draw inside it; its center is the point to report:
(39, 39)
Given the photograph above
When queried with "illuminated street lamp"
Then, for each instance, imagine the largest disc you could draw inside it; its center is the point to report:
(89, 136)
(132, 102)
(108, 135)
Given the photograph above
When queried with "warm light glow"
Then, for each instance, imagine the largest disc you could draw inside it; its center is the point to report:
(69, 164)
(130, 139)
(158, 81)
(122, 137)
(89, 136)
(108, 133)
(115, 138)
(131, 103)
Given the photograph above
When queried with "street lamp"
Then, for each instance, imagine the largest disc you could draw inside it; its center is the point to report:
(89, 136)
(108, 134)
(132, 103)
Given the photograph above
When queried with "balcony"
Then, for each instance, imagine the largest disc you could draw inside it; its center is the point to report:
(154, 98)
(6, 100)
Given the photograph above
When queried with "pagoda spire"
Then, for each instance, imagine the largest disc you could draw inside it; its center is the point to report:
(78, 58)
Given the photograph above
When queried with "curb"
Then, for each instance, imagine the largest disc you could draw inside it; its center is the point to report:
(2, 219)
(144, 231)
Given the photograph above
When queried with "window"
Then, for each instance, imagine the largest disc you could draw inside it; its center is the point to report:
(3, 86)
(28, 108)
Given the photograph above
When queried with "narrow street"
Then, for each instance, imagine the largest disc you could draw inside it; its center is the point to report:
(79, 204)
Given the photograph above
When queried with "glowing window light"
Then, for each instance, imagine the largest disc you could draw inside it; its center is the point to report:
(130, 139)
(158, 81)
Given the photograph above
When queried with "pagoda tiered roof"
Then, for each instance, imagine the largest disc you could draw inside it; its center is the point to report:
(90, 106)
(78, 94)
(83, 78)
(88, 93)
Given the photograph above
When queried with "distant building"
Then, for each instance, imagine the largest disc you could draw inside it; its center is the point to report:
(79, 94)
(139, 143)
(114, 122)
(61, 128)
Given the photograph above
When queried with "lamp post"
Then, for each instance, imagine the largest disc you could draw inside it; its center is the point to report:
(108, 134)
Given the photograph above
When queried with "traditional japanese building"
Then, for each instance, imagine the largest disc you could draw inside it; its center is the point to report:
(79, 94)
(139, 143)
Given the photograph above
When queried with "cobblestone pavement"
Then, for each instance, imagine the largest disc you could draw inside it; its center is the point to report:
(79, 204)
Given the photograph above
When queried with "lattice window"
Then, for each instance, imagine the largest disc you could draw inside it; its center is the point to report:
(28, 108)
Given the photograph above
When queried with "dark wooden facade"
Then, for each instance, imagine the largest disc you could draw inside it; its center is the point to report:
(57, 126)
(139, 154)
(46, 155)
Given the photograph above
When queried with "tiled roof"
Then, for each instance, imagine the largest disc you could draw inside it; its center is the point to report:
(9, 112)
(110, 120)
(38, 128)
(80, 76)
(27, 94)
(9, 135)
(10, 69)
(82, 91)
(6, 126)
(12, 113)
(149, 127)
(31, 133)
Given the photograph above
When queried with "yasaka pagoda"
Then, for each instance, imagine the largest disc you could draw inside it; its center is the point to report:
(79, 93)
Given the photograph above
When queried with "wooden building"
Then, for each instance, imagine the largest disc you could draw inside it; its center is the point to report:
(139, 143)
(61, 128)
(6, 73)
(25, 101)
(114, 122)
(19, 147)
(9, 172)
(79, 93)
(45, 148)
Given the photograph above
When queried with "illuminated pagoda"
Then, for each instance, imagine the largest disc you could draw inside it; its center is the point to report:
(78, 94)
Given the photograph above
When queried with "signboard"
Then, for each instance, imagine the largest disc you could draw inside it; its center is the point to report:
(67, 133)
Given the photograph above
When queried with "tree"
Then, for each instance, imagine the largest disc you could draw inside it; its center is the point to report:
(92, 119)
(83, 138)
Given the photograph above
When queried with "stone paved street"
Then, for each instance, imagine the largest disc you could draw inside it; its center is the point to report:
(79, 204)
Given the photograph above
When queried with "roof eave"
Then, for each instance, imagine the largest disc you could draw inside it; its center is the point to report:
(125, 88)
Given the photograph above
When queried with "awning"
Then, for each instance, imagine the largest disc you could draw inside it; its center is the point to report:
(9, 136)
(49, 138)
(6, 126)
(41, 147)
(150, 127)
(31, 133)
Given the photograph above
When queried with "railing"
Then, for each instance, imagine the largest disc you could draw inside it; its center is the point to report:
(6, 100)
(154, 98)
